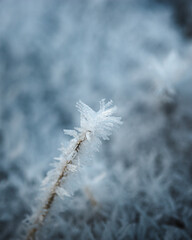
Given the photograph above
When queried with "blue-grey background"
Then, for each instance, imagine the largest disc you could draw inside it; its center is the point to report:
(137, 53)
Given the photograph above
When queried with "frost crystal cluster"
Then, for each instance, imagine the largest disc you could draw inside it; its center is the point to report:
(60, 181)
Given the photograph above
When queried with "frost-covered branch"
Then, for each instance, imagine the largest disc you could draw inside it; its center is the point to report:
(94, 126)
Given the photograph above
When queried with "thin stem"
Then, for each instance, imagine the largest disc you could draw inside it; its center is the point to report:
(90, 197)
(47, 206)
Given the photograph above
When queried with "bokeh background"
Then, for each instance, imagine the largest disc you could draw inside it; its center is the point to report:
(137, 53)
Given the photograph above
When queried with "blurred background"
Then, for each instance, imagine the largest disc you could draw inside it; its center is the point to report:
(137, 53)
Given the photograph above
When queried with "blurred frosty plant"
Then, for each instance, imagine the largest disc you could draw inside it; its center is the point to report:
(60, 181)
(168, 72)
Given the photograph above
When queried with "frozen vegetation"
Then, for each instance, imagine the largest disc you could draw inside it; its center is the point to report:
(53, 53)
(63, 179)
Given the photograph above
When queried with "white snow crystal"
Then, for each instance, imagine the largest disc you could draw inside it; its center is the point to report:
(100, 123)
(63, 179)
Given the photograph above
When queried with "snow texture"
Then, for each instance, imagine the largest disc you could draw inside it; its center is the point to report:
(54, 52)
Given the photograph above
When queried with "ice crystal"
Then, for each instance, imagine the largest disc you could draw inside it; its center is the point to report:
(101, 123)
(86, 139)
(62, 180)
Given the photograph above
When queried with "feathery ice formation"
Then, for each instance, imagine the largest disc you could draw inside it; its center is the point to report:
(94, 126)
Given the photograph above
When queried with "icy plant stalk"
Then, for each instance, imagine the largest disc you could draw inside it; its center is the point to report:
(94, 126)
